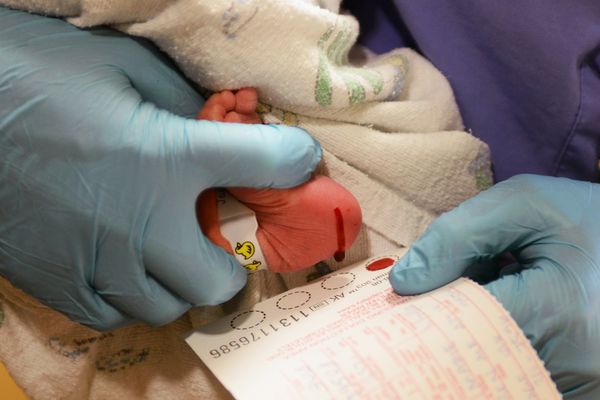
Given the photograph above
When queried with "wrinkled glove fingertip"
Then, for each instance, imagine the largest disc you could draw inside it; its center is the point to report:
(405, 280)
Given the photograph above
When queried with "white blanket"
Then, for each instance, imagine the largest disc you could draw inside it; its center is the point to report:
(391, 132)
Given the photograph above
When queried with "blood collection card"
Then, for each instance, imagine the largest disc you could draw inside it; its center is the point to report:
(348, 335)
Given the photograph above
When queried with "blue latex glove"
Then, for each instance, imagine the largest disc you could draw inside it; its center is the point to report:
(552, 227)
(98, 181)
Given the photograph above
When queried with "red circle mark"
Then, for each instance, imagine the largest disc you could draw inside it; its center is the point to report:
(380, 264)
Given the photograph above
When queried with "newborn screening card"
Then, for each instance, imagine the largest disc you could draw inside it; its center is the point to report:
(348, 335)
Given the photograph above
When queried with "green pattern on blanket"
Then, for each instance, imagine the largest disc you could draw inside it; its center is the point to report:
(339, 47)
(373, 77)
(323, 85)
(336, 53)
(356, 91)
(481, 170)
(333, 62)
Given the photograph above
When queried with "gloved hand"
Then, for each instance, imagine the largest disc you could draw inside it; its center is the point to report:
(551, 226)
(98, 177)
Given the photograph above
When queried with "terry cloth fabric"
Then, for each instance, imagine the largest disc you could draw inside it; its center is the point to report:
(52, 358)
(391, 132)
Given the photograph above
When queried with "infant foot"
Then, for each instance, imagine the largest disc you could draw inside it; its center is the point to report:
(297, 227)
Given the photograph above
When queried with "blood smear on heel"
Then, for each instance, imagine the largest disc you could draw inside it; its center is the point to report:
(341, 239)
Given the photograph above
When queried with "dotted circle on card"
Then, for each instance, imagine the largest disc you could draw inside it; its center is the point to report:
(250, 314)
(338, 281)
(298, 299)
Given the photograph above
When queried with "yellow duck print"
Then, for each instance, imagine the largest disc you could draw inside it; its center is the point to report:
(253, 266)
(245, 249)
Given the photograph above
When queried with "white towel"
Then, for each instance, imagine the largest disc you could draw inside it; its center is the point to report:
(389, 125)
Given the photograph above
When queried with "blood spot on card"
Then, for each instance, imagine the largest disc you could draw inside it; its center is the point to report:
(381, 263)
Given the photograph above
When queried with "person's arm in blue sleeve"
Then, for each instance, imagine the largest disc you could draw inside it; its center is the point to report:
(99, 176)
(551, 226)
(526, 75)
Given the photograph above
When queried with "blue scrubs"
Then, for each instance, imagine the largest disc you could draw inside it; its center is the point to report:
(526, 75)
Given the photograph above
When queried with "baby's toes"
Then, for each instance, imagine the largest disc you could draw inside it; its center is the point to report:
(242, 118)
(246, 100)
(225, 99)
(234, 117)
(213, 112)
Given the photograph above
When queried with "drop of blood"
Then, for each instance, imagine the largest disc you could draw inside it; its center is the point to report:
(339, 256)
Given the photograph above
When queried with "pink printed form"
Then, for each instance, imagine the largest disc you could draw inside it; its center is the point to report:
(349, 336)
